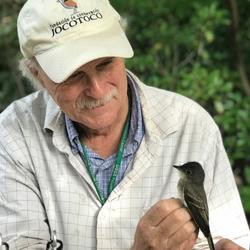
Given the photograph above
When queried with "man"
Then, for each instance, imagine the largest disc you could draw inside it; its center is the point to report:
(88, 159)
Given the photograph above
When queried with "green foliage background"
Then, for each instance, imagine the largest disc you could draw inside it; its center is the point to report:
(192, 47)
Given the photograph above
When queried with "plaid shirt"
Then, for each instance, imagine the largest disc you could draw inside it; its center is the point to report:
(44, 186)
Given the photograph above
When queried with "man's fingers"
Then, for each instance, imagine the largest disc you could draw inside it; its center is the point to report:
(176, 219)
(161, 210)
(186, 235)
(189, 243)
(167, 225)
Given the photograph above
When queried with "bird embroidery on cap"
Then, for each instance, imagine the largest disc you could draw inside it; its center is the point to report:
(69, 4)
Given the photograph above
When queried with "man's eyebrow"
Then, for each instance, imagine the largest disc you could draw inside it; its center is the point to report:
(106, 60)
(103, 62)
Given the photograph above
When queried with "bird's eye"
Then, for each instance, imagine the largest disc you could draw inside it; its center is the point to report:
(188, 171)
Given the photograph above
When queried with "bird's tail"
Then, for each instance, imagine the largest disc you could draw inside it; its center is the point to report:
(210, 242)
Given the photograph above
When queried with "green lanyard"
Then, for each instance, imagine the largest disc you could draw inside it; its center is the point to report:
(117, 165)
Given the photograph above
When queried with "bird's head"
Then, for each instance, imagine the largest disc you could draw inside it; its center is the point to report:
(192, 170)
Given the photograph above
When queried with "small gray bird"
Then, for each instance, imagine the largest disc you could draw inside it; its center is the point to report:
(191, 186)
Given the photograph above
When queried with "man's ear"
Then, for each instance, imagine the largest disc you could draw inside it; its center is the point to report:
(36, 71)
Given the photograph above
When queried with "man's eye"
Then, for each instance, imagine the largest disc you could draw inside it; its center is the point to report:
(105, 64)
(76, 77)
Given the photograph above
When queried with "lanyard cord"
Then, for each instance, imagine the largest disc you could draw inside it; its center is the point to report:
(117, 165)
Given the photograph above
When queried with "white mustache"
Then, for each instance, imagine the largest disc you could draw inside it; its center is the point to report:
(90, 103)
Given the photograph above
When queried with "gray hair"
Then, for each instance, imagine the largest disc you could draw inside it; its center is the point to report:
(27, 66)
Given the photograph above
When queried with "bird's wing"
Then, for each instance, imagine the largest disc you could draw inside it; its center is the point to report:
(198, 208)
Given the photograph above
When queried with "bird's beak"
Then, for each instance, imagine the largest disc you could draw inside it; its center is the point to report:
(178, 167)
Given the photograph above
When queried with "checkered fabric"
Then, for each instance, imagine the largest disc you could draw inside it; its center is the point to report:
(45, 187)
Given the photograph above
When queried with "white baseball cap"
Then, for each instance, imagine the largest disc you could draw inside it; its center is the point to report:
(66, 34)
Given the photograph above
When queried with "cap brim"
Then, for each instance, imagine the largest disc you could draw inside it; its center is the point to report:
(60, 62)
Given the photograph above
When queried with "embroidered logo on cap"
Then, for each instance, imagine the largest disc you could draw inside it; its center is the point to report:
(71, 20)
(69, 4)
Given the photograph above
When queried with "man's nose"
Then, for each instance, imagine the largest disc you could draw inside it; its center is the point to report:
(96, 88)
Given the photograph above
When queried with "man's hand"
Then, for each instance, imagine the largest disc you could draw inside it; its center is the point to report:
(225, 244)
(166, 225)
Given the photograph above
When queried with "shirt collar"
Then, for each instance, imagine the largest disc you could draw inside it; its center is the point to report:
(73, 135)
(54, 116)
(152, 111)
(136, 130)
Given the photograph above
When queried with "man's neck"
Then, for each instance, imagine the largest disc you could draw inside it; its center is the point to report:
(104, 142)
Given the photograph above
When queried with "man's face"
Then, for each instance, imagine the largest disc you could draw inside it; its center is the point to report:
(95, 95)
